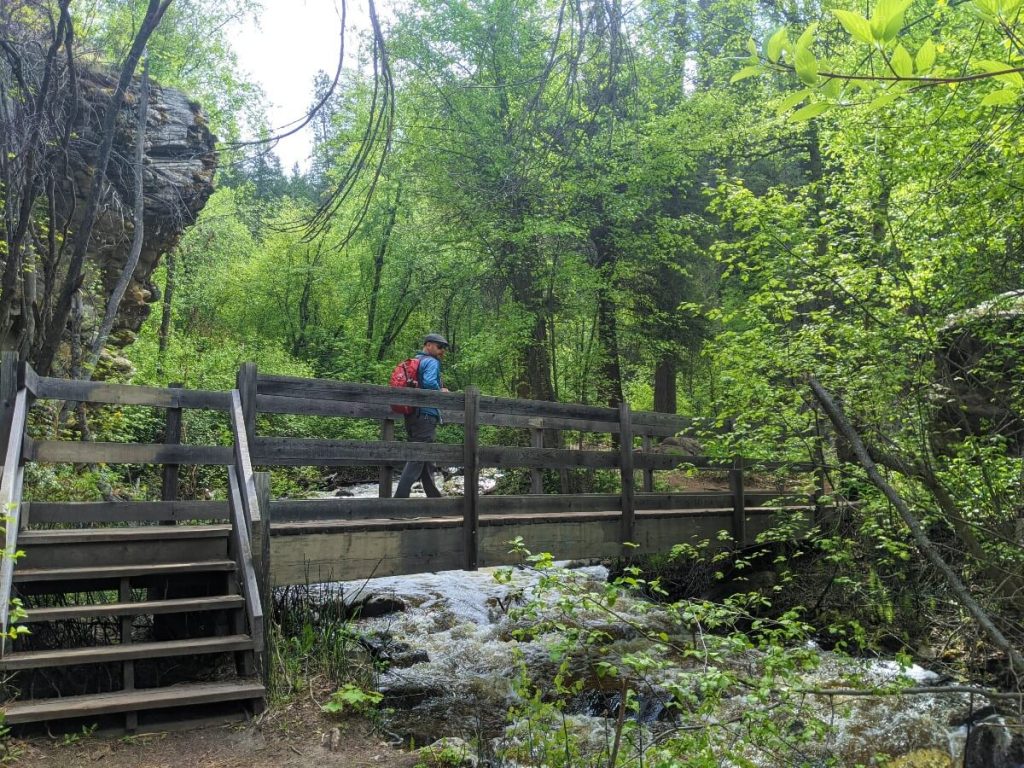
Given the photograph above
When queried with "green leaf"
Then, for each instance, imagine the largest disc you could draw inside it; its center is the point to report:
(901, 62)
(810, 111)
(925, 57)
(883, 100)
(804, 63)
(752, 47)
(743, 74)
(856, 25)
(887, 18)
(1012, 79)
(832, 88)
(792, 100)
(776, 44)
(1009, 8)
(987, 8)
(1001, 98)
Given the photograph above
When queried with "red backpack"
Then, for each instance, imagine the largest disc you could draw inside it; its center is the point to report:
(406, 374)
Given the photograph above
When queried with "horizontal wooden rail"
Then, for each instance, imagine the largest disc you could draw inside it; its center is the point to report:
(46, 388)
(70, 452)
(286, 451)
(45, 512)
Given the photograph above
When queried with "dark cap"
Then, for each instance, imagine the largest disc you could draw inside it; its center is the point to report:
(437, 338)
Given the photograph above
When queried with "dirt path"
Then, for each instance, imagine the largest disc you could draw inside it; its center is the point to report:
(287, 737)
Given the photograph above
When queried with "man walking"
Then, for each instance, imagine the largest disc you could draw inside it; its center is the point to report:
(421, 424)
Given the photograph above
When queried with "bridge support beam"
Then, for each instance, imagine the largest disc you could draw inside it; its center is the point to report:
(471, 484)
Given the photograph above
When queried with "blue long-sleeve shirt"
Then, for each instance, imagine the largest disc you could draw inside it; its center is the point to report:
(430, 378)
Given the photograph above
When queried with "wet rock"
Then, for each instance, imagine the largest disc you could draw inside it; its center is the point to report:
(680, 445)
(375, 606)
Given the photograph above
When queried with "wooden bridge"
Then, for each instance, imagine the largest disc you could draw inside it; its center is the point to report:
(169, 598)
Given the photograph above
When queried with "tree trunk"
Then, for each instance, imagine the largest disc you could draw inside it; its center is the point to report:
(665, 384)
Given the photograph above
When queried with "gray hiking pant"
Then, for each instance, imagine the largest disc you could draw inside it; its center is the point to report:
(421, 428)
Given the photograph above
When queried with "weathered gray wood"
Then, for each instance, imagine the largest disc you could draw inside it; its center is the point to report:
(122, 536)
(183, 695)
(536, 474)
(128, 665)
(24, 575)
(300, 406)
(328, 389)
(523, 407)
(100, 654)
(498, 456)
(471, 471)
(387, 435)
(628, 478)
(739, 504)
(283, 451)
(125, 511)
(243, 559)
(72, 452)
(261, 556)
(295, 510)
(245, 383)
(129, 608)
(172, 436)
(10, 504)
(243, 462)
(8, 392)
(130, 394)
(645, 446)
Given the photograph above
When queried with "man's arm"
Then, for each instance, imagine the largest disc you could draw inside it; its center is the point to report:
(430, 373)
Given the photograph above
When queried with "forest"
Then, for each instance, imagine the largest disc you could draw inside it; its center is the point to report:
(801, 222)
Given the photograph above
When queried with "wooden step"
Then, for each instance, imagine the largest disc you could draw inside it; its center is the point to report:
(143, 608)
(144, 533)
(99, 654)
(22, 575)
(188, 694)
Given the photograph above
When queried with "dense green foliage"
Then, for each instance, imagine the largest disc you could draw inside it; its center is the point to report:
(692, 206)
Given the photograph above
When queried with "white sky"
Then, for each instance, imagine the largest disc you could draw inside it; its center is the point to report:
(295, 39)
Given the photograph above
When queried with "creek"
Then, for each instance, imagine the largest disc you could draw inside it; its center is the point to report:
(459, 650)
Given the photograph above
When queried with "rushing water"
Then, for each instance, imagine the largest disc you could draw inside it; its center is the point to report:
(451, 658)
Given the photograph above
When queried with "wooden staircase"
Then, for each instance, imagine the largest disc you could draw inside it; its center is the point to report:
(134, 625)
(136, 621)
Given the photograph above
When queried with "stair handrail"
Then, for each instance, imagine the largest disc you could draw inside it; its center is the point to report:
(245, 522)
(10, 505)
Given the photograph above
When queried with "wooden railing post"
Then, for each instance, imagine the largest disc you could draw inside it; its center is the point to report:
(8, 391)
(471, 470)
(536, 474)
(628, 480)
(648, 473)
(739, 503)
(172, 436)
(245, 383)
(261, 561)
(387, 433)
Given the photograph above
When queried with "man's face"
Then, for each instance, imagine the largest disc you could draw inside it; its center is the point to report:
(435, 350)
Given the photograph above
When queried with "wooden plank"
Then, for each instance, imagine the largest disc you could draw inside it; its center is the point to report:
(347, 391)
(182, 695)
(536, 473)
(8, 393)
(172, 436)
(242, 550)
(645, 446)
(498, 456)
(546, 408)
(243, 463)
(261, 564)
(299, 406)
(99, 654)
(129, 394)
(125, 511)
(471, 472)
(123, 535)
(143, 608)
(283, 451)
(111, 572)
(739, 504)
(387, 435)
(628, 478)
(10, 502)
(297, 510)
(70, 452)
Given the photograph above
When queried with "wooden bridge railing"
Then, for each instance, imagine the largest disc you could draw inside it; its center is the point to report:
(259, 394)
